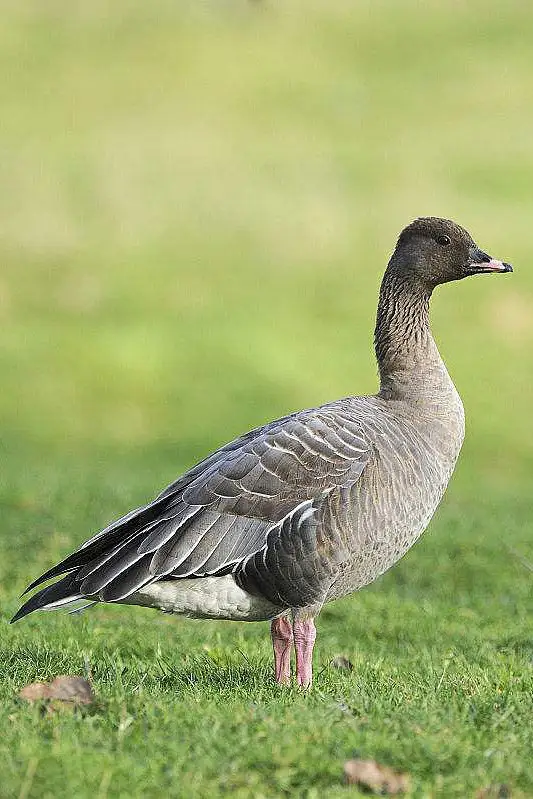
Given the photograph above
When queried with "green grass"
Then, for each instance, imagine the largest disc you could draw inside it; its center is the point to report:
(197, 203)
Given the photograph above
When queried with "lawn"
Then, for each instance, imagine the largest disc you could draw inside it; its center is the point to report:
(198, 202)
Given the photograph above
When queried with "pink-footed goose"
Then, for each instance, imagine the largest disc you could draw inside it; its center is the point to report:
(310, 507)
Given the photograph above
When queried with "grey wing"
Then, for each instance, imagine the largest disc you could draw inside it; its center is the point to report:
(258, 500)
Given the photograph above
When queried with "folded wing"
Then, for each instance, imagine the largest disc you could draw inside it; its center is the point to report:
(245, 498)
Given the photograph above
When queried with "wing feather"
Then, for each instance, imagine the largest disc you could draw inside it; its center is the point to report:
(243, 502)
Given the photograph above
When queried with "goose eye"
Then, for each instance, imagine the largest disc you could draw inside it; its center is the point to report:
(443, 240)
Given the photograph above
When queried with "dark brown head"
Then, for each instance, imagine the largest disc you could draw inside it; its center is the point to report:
(438, 250)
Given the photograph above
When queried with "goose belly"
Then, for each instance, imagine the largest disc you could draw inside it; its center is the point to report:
(205, 598)
(378, 551)
(386, 517)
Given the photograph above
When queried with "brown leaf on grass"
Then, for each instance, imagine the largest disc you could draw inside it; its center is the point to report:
(35, 691)
(342, 663)
(74, 690)
(375, 777)
(494, 792)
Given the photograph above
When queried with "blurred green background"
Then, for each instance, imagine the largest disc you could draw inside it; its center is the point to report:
(198, 201)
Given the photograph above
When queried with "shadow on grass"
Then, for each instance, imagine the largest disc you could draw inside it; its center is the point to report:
(120, 672)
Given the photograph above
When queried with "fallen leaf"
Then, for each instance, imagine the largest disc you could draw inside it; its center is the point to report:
(494, 792)
(375, 777)
(35, 691)
(342, 663)
(74, 690)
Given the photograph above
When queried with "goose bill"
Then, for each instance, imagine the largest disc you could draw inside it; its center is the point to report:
(492, 266)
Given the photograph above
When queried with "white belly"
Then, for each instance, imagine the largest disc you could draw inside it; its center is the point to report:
(205, 598)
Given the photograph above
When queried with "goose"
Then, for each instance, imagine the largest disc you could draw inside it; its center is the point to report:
(310, 507)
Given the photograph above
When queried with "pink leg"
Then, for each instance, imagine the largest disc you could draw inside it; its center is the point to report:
(304, 641)
(281, 632)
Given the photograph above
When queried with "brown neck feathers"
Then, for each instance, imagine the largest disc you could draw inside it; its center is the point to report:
(402, 338)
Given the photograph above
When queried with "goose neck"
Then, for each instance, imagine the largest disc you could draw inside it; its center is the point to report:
(406, 352)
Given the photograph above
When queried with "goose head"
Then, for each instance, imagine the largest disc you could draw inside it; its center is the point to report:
(435, 251)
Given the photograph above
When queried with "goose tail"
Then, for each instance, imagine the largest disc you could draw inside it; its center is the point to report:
(53, 596)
